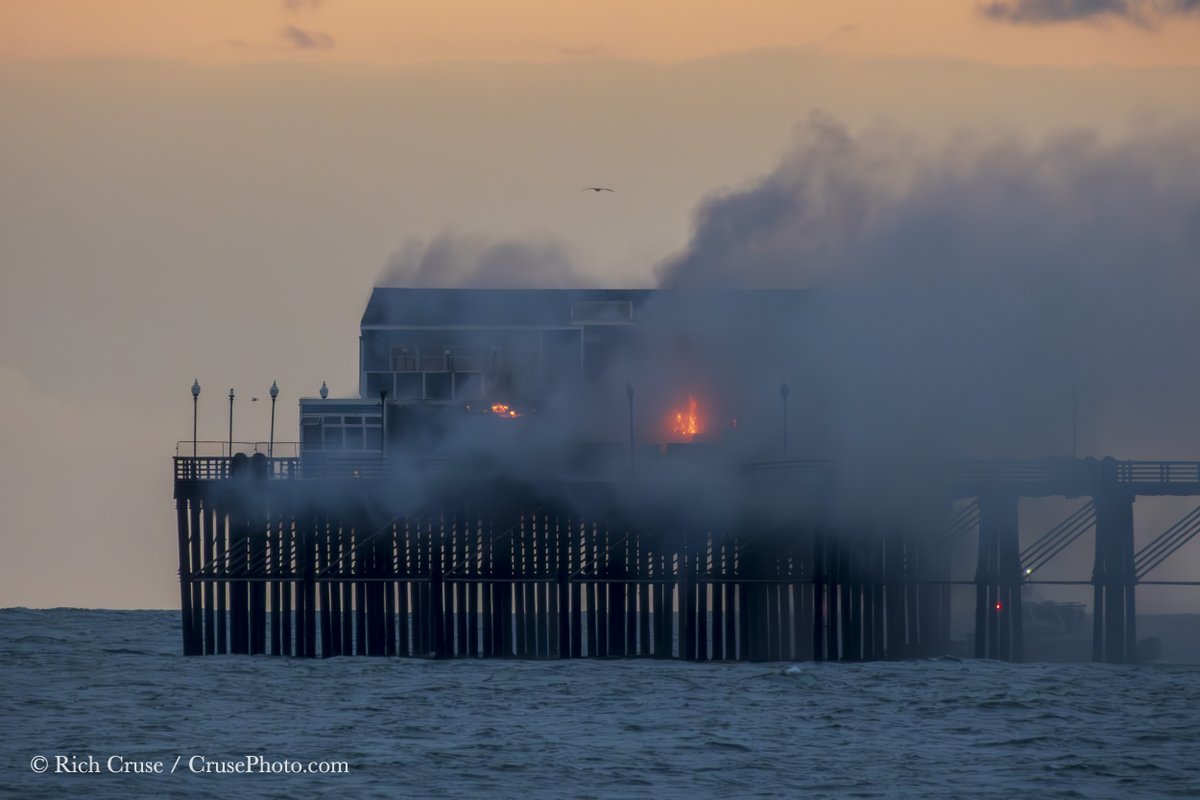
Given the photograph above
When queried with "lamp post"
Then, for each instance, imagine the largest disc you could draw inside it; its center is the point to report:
(271, 441)
(783, 395)
(195, 401)
(231, 423)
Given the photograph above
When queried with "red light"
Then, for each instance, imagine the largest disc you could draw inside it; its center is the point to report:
(998, 606)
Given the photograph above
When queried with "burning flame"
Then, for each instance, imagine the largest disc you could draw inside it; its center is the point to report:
(686, 423)
(502, 410)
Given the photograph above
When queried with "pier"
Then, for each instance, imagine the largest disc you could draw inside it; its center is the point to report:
(602, 473)
(281, 557)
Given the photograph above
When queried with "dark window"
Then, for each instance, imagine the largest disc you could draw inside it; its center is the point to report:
(405, 358)
(310, 434)
(353, 437)
(377, 381)
(333, 437)
(437, 386)
(409, 386)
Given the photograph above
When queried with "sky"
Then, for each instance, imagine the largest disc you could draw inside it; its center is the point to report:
(210, 189)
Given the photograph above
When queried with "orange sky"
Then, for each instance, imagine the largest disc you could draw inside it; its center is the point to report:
(397, 31)
(144, 204)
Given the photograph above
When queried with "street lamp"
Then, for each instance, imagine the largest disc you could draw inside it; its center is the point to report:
(231, 423)
(195, 400)
(271, 441)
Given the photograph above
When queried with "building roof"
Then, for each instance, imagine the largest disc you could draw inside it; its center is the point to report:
(481, 308)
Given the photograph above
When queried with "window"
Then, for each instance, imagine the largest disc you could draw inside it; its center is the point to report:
(354, 433)
(310, 433)
(333, 437)
(404, 358)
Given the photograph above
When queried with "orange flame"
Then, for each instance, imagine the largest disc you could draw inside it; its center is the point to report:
(687, 423)
(502, 410)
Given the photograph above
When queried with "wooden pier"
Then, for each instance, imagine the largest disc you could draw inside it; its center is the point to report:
(274, 560)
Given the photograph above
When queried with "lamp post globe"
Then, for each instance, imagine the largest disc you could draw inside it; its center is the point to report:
(231, 423)
(271, 442)
(195, 399)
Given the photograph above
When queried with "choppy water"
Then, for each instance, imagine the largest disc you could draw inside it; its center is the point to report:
(110, 683)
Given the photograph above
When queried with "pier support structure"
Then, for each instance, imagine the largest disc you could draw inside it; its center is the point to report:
(998, 580)
(1114, 579)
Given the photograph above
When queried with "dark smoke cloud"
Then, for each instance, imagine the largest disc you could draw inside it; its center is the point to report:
(959, 295)
(1043, 12)
(307, 40)
(452, 262)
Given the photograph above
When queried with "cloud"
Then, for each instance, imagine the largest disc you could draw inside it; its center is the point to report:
(453, 261)
(300, 5)
(307, 40)
(1146, 13)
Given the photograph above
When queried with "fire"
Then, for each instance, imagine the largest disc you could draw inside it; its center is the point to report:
(502, 410)
(687, 423)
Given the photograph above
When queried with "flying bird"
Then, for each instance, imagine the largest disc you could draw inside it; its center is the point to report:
(253, 399)
(595, 189)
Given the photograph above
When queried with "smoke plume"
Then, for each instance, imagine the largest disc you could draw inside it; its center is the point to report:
(960, 295)
(459, 262)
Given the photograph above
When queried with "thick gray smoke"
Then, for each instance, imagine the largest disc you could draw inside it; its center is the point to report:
(459, 262)
(1044, 12)
(960, 295)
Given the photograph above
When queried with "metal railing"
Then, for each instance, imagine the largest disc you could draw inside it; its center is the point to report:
(1168, 472)
(215, 468)
(211, 463)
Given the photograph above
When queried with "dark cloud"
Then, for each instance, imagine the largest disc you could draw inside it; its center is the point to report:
(1044, 12)
(307, 40)
(451, 261)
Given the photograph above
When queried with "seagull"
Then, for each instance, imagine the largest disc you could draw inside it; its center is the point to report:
(595, 189)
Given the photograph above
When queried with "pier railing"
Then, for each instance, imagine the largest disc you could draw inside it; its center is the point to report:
(1052, 476)
(215, 468)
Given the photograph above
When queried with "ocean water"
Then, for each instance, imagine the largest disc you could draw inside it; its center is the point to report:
(105, 690)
